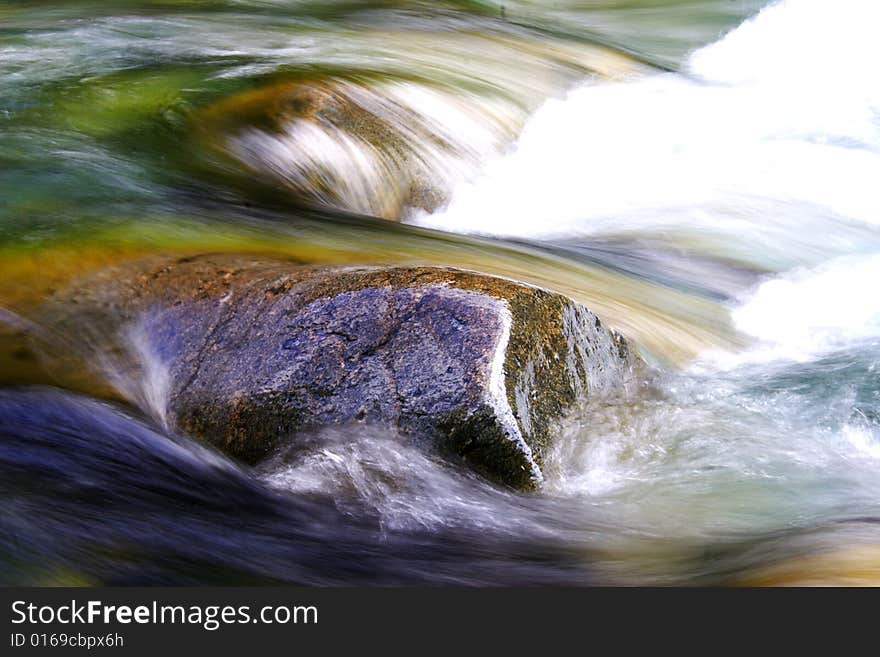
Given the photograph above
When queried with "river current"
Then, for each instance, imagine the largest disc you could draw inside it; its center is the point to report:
(701, 174)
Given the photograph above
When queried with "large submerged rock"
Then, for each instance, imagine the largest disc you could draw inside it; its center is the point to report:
(250, 351)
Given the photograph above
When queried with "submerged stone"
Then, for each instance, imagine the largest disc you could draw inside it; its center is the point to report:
(248, 352)
(374, 149)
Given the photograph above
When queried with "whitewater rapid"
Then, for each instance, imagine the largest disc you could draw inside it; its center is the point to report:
(763, 151)
(736, 195)
(784, 108)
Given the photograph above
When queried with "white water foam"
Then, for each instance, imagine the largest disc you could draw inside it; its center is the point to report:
(765, 150)
(439, 139)
(139, 373)
(783, 108)
(807, 312)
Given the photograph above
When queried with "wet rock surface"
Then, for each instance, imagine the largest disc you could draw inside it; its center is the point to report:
(346, 145)
(246, 352)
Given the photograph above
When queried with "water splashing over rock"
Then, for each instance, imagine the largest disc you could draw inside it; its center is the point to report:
(254, 351)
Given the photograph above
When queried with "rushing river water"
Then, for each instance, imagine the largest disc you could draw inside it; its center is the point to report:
(700, 173)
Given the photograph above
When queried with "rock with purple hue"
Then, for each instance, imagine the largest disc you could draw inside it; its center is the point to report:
(248, 352)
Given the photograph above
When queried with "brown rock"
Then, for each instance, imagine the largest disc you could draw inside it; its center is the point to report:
(250, 351)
